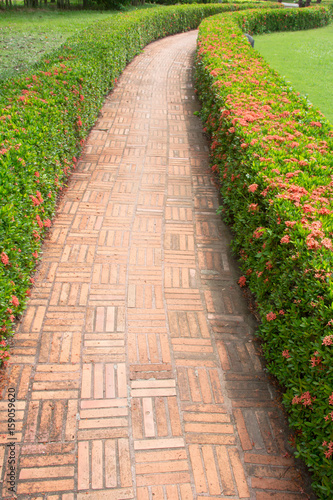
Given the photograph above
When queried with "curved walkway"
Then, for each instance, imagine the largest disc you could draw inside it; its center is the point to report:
(134, 368)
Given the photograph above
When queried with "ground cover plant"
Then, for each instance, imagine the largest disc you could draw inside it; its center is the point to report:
(273, 153)
(45, 115)
(292, 54)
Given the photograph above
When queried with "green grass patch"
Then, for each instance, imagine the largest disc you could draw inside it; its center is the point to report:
(27, 35)
(305, 59)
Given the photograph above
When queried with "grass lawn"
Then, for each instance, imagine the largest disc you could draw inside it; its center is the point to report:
(305, 59)
(26, 35)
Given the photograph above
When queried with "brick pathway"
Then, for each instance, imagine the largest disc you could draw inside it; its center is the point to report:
(134, 368)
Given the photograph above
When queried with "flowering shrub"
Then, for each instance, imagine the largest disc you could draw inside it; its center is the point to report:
(284, 20)
(45, 116)
(274, 156)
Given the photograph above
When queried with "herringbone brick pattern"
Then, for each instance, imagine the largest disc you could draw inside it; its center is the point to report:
(134, 366)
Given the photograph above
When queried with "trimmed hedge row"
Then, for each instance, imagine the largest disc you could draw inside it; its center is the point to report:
(284, 20)
(45, 116)
(174, 2)
(273, 153)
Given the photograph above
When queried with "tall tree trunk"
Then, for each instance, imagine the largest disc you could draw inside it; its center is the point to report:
(32, 3)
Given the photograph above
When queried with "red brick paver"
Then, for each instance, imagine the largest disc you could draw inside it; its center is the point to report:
(134, 368)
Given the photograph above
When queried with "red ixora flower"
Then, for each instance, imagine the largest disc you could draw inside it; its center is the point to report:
(253, 188)
(315, 124)
(329, 452)
(35, 201)
(285, 239)
(242, 281)
(39, 196)
(15, 301)
(258, 232)
(285, 353)
(253, 207)
(327, 243)
(305, 399)
(328, 340)
(315, 360)
(4, 259)
(270, 316)
(290, 223)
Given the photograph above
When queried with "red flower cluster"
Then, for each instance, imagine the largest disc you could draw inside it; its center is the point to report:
(242, 281)
(305, 399)
(270, 316)
(4, 259)
(15, 301)
(329, 446)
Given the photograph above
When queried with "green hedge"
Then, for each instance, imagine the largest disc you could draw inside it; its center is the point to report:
(284, 20)
(45, 116)
(174, 2)
(273, 153)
